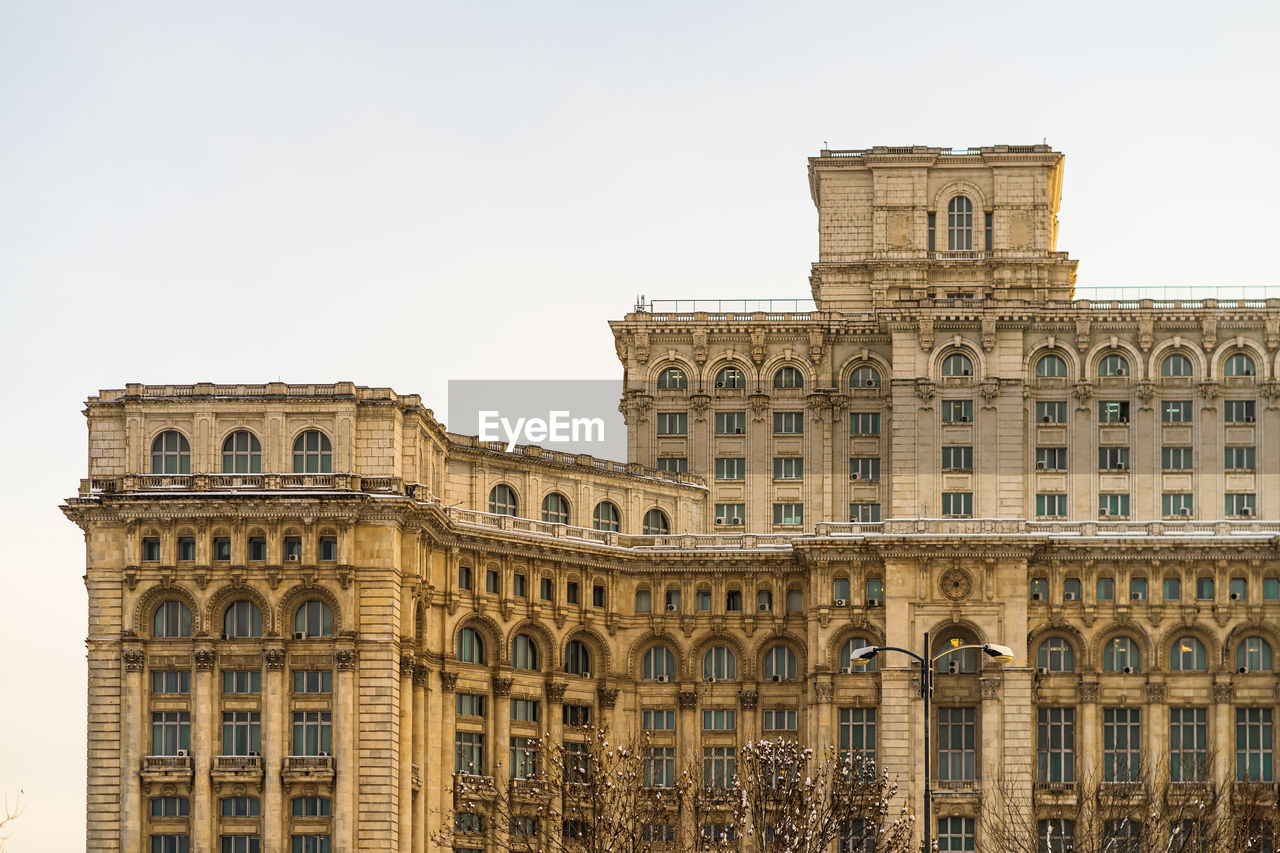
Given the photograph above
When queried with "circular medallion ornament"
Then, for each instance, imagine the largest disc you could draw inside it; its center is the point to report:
(956, 584)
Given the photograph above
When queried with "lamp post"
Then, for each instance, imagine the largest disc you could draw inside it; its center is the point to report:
(864, 655)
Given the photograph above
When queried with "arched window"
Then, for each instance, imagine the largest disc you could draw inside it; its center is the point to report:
(673, 379)
(606, 517)
(719, 663)
(1056, 655)
(965, 660)
(864, 376)
(788, 377)
(313, 619)
(960, 224)
(1121, 653)
(1175, 364)
(470, 646)
(957, 364)
(658, 662)
(555, 508)
(780, 664)
(1253, 655)
(502, 500)
(846, 655)
(731, 377)
(312, 453)
(524, 652)
(170, 453)
(242, 619)
(655, 523)
(1239, 364)
(1051, 366)
(241, 453)
(1187, 655)
(764, 600)
(577, 658)
(1113, 364)
(172, 619)
(644, 601)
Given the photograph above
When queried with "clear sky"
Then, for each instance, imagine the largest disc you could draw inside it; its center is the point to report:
(403, 193)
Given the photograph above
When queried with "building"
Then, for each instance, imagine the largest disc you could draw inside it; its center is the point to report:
(310, 605)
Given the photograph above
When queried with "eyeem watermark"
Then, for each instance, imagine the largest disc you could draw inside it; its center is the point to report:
(569, 415)
(557, 428)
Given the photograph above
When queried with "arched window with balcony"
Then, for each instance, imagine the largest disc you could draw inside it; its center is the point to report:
(655, 523)
(846, 655)
(502, 500)
(312, 453)
(658, 664)
(555, 508)
(242, 620)
(864, 376)
(1120, 654)
(241, 453)
(577, 658)
(1253, 655)
(731, 377)
(1113, 364)
(780, 664)
(171, 620)
(1239, 364)
(313, 619)
(1176, 365)
(1056, 655)
(606, 517)
(719, 663)
(1187, 655)
(170, 453)
(524, 652)
(960, 224)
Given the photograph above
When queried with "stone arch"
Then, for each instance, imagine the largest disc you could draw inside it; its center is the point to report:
(1131, 353)
(223, 598)
(951, 189)
(547, 646)
(656, 366)
(776, 362)
(1058, 347)
(957, 343)
(843, 635)
(700, 649)
(1070, 633)
(555, 489)
(500, 478)
(1247, 629)
(225, 432)
(868, 358)
(648, 640)
(724, 360)
(786, 638)
(601, 664)
(153, 597)
(303, 592)
(489, 631)
(1122, 628)
(1217, 361)
(1199, 363)
(1212, 648)
(154, 432)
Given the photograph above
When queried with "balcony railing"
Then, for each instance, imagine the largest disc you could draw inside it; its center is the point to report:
(308, 764)
(237, 763)
(166, 763)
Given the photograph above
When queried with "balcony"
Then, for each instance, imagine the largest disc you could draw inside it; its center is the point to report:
(160, 770)
(237, 766)
(301, 769)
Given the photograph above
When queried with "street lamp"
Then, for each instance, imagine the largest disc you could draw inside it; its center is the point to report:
(864, 655)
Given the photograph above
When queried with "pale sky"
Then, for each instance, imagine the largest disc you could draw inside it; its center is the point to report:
(403, 193)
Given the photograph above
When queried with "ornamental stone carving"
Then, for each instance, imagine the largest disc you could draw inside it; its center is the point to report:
(1155, 691)
(422, 675)
(1088, 691)
(406, 665)
(205, 660)
(273, 659)
(988, 333)
(1146, 333)
(816, 343)
(759, 404)
(925, 391)
(1209, 328)
(757, 346)
(956, 584)
(640, 344)
(699, 403)
(134, 659)
(555, 691)
(990, 687)
(1082, 334)
(345, 659)
(502, 686)
(448, 681)
(1222, 691)
(926, 333)
(1272, 332)
(688, 699)
(700, 347)
(1146, 392)
(824, 691)
(989, 389)
(749, 699)
(607, 696)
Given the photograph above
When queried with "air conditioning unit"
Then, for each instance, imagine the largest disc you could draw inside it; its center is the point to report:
(719, 520)
(1046, 420)
(1241, 670)
(1246, 511)
(855, 476)
(1119, 371)
(1127, 670)
(764, 608)
(737, 431)
(254, 755)
(299, 635)
(1184, 512)
(1135, 596)
(1120, 466)
(226, 636)
(1124, 419)
(710, 679)
(871, 383)
(293, 558)
(1039, 466)
(324, 754)
(777, 678)
(1042, 670)
(1235, 596)
(842, 602)
(1102, 512)
(673, 608)
(662, 679)
(873, 602)
(967, 373)
(1248, 419)
(586, 675)
(183, 753)
(735, 520)
(1070, 596)
(964, 419)
(719, 384)
(846, 670)
(1037, 596)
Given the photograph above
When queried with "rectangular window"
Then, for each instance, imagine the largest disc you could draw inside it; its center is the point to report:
(788, 468)
(1056, 744)
(779, 720)
(957, 504)
(659, 767)
(170, 807)
(989, 230)
(788, 423)
(1188, 745)
(1051, 412)
(1240, 503)
(186, 549)
(292, 549)
(241, 733)
(524, 710)
(170, 681)
(718, 766)
(957, 411)
(864, 423)
(673, 464)
(571, 592)
(222, 549)
(730, 513)
(673, 423)
(1254, 745)
(1239, 458)
(957, 459)
(469, 704)
(719, 720)
(313, 681)
(1113, 411)
(932, 232)
(957, 750)
(257, 549)
(519, 585)
(328, 548)
(1239, 411)
(1113, 459)
(241, 681)
(170, 844)
(731, 468)
(491, 581)
(1175, 505)
(312, 733)
(1051, 459)
(955, 835)
(151, 549)
(1175, 412)
(524, 757)
(1106, 589)
(597, 595)
(1121, 744)
(788, 513)
(864, 468)
(240, 844)
(702, 601)
(170, 732)
(1271, 589)
(661, 720)
(1051, 506)
(575, 715)
(468, 753)
(864, 513)
(464, 577)
(731, 423)
(546, 589)
(1113, 506)
(1204, 589)
(1176, 458)
(858, 738)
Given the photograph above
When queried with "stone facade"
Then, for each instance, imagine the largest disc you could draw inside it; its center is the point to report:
(294, 590)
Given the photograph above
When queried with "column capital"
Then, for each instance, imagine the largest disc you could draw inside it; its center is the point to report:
(990, 686)
(273, 658)
(135, 659)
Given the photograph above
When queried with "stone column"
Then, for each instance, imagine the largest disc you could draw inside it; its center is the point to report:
(687, 725)
(500, 716)
(1156, 721)
(345, 723)
(1222, 743)
(420, 684)
(824, 692)
(132, 744)
(555, 711)
(606, 698)
(1087, 743)
(405, 801)
(274, 737)
(992, 733)
(748, 701)
(204, 703)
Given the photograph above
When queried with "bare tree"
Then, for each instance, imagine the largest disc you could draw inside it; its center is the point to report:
(11, 813)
